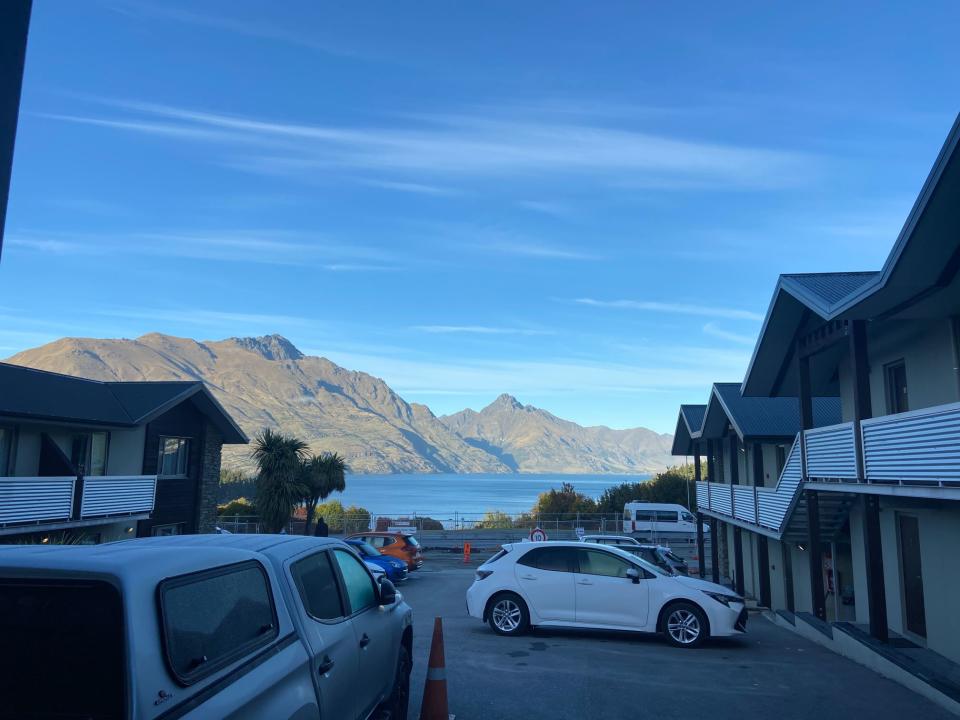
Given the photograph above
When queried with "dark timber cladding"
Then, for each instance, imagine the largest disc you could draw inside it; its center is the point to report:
(14, 22)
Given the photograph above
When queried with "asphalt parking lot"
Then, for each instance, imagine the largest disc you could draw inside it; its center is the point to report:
(770, 673)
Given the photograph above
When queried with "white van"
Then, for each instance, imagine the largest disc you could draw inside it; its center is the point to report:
(655, 518)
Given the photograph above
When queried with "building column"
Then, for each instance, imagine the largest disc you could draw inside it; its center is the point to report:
(763, 561)
(715, 549)
(702, 560)
(787, 556)
(816, 554)
(738, 580)
(873, 559)
(711, 470)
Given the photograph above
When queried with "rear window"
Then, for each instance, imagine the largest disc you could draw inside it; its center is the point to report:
(64, 651)
(496, 556)
(411, 540)
(213, 618)
(557, 559)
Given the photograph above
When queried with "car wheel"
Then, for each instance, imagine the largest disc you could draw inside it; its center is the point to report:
(685, 625)
(508, 615)
(399, 702)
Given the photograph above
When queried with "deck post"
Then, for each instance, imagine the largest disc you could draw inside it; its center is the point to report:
(816, 554)
(788, 574)
(715, 550)
(701, 555)
(873, 560)
(763, 561)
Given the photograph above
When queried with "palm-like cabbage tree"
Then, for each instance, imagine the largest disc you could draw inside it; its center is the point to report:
(321, 475)
(279, 487)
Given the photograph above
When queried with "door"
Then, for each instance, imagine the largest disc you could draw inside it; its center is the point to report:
(545, 577)
(334, 654)
(896, 377)
(910, 568)
(606, 596)
(375, 630)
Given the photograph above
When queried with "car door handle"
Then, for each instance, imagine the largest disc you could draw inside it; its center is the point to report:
(325, 666)
(527, 577)
(584, 582)
(365, 640)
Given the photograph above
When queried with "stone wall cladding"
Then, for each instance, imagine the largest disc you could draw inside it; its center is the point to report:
(209, 479)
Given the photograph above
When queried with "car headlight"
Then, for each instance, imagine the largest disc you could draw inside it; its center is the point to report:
(723, 599)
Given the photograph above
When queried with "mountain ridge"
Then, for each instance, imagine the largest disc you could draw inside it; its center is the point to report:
(267, 382)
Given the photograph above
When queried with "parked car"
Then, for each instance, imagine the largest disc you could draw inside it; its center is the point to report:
(572, 584)
(395, 569)
(201, 626)
(660, 555)
(399, 545)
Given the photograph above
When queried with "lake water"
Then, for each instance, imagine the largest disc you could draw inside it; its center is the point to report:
(445, 497)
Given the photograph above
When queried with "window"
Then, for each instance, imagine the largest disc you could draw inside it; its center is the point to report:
(626, 514)
(88, 452)
(895, 376)
(167, 530)
(688, 517)
(6, 451)
(669, 516)
(317, 582)
(597, 562)
(65, 649)
(361, 592)
(646, 516)
(559, 559)
(173, 456)
(213, 618)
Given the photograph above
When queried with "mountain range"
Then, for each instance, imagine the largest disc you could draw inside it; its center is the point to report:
(267, 382)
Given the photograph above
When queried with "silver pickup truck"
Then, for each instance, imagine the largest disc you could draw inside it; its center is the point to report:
(201, 626)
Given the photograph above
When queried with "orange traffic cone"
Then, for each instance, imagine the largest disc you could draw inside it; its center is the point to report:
(434, 705)
(466, 553)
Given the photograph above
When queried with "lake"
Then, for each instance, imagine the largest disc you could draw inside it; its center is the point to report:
(445, 497)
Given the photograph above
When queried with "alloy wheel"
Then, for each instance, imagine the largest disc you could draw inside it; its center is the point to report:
(506, 615)
(683, 626)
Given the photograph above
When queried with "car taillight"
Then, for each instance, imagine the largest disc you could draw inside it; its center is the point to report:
(481, 574)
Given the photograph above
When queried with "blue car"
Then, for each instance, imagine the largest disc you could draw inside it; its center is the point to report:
(395, 569)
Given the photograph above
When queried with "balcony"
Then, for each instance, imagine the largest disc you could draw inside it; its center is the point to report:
(27, 501)
(918, 449)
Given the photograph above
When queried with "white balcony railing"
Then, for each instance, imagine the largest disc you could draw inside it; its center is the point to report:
(117, 495)
(37, 500)
(921, 447)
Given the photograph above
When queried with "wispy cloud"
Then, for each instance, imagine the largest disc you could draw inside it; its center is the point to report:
(230, 23)
(478, 330)
(538, 250)
(410, 187)
(478, 146)
(675, 308)
(200, 316)
(718, 332)
(546, 207)
(266, 247)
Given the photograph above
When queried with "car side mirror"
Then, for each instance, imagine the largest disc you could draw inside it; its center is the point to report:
(634, 575)
(388, 592)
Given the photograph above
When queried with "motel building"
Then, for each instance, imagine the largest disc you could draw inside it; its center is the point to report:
(83, 461)
(850, 512)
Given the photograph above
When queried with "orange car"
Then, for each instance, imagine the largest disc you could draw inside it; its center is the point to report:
(399, 545)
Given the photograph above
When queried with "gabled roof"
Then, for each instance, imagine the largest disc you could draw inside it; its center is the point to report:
(688, 428)
(761, 417)
(925, 257)
(41, 395)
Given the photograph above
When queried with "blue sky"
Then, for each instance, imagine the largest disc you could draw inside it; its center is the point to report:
(587, 208)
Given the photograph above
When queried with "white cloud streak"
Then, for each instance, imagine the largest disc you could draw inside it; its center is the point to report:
(478, 330)
(673, 308)
(451, 145)
(718, 332)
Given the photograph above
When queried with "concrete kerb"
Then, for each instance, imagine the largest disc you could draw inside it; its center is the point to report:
(849, 647)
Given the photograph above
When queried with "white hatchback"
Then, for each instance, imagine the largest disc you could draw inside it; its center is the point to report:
(573, 584)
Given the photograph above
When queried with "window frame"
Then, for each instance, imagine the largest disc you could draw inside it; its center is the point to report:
(889, 380)
(345, 592)
(341, 589)
(186, 442)
(207, 669)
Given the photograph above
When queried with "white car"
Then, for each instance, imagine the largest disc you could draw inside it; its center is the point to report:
(573, 584)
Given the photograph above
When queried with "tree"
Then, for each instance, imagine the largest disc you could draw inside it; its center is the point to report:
(321, 475)
(495, 519)
(674, 485)
(564, 503)
(240, 506)
(278, 459)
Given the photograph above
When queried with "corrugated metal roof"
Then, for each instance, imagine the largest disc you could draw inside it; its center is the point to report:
(38, 394)
(693, 414)
(772, 417)
(831, 288)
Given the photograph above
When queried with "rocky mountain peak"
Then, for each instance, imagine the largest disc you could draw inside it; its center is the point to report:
(271, 347)
(505, 402)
